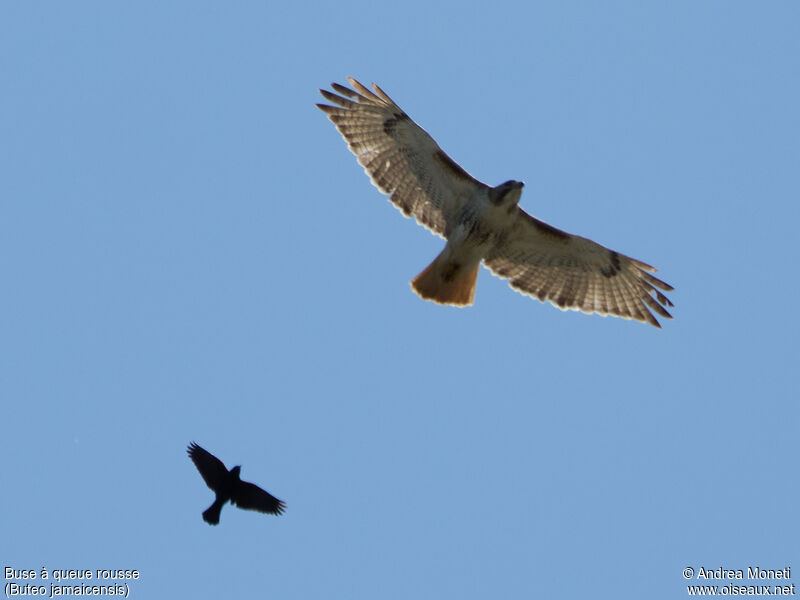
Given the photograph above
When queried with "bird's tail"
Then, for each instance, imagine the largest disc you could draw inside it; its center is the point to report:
(446, 282)
(211, 515)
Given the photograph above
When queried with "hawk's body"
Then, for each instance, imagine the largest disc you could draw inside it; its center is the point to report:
(483, 223)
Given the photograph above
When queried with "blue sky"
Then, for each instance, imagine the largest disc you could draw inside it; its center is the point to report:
(189, 252)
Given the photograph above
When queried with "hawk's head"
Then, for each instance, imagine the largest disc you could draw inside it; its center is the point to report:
(506, 195)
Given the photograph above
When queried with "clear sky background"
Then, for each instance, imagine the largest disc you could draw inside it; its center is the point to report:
(189, 252)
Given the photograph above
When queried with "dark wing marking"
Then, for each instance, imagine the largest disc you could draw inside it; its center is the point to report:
(575, 273)
(211, 468)
(251, 497)
(401, 159)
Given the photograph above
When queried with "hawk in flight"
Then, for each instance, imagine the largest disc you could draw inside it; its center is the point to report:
(483, 223)
(227, 485)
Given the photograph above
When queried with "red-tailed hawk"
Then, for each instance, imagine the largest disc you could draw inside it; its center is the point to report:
(483, 223)
(227, 486)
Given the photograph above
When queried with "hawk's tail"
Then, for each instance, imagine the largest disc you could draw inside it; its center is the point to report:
(211, 514)
(446, 282)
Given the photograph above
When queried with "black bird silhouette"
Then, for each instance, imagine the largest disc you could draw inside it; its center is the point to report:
(227, 485)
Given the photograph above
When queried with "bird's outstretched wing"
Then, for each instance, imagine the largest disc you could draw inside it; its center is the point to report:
(211, 468)
(399, 156)
(575, 273)
(251, 497)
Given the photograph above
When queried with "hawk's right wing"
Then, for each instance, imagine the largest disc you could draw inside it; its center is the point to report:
(575, 273)
(399, 156)
(251, 497)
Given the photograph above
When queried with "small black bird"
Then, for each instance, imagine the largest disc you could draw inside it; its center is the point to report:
(227, 485)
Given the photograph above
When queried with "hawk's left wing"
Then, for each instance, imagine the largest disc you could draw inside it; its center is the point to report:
(211, 468)
(574, 273)
(399, 156)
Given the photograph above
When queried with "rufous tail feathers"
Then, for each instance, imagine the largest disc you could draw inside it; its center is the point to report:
(446, 282)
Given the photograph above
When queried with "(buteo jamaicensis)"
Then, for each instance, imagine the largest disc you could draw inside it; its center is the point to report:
(482, 223)
(227, 486)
